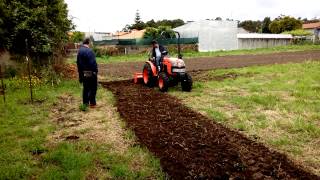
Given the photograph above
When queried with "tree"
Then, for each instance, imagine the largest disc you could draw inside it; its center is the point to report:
(77, 37)
(251, 26)
(265, 25)
(138, 23)
(151, 32)
(176, 23)
(285, 23)
(314, 20)
(275, 27)
(218, 19)
(158, 33)
(44, 23)
(151, 23)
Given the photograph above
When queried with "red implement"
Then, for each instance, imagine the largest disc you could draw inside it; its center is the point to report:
(138, 78)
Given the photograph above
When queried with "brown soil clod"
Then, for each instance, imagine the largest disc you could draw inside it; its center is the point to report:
(72, 137)
(192, 146)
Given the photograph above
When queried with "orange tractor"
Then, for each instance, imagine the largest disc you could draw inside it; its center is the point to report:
(173, 71)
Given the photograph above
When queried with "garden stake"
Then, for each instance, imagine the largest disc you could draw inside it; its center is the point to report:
(2, 89)
(29, 71)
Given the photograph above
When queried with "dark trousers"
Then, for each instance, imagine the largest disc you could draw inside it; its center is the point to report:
(90, 85)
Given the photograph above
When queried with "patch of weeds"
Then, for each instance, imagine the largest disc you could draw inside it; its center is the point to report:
(267, 101)
(130, 135)
(83, 107)
(242, 101)
(197, 85)
(300, 125)
(216, 115)
(261, 121)
(281, 141)
(241, 126)
(70, 160)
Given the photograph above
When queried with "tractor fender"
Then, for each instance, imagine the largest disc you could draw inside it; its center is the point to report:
(153, 67)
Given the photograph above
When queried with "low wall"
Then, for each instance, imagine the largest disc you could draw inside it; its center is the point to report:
(261, 43)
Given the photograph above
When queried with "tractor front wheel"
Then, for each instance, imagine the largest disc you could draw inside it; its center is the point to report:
(163, 82)
(186, 83)
(148, 77)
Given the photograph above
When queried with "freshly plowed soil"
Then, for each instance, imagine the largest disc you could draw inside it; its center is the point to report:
(126, 70)
(192, 146)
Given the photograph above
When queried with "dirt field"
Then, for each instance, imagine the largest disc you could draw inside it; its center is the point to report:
(126, 70)
(191, 146)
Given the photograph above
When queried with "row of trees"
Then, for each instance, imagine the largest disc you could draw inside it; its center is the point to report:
(139, 24)
(43, 23)
(155, 29)
(278, 25)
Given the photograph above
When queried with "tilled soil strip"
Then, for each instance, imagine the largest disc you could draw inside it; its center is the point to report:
(192, 146)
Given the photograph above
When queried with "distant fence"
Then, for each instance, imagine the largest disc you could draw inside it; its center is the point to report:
(142, 42)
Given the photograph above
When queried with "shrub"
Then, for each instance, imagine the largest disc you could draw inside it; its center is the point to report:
(10, 72)
(298, 32)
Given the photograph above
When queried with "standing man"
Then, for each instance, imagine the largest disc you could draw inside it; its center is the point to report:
(157, 52)
(88, 71)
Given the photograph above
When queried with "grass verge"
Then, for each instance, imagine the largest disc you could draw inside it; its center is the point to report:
(278, 105)
(53, 139)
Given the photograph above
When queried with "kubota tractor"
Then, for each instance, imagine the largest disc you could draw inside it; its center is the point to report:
(173, 71)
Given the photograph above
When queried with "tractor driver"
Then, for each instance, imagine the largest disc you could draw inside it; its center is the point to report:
(157, 53)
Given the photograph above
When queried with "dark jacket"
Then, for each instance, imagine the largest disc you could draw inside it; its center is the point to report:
(86, 61)
(161, 48)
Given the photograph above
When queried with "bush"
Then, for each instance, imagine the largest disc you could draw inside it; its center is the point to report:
(23, 82)
(10, 72)
(298, 32)
(107, 51)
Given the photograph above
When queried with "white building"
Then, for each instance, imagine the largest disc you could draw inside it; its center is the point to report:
(215, 35)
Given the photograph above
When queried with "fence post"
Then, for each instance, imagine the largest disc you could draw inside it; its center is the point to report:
(29, 71)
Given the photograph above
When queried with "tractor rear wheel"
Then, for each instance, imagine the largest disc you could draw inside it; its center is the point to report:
(163, 82)
(186, 83)
(148, 77)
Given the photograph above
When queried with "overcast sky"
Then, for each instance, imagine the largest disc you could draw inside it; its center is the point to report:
(110, 16)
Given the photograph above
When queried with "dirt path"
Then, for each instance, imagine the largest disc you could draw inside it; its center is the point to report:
(126, 70)
(192, 146)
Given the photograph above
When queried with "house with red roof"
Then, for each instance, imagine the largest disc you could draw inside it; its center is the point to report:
(314, 28)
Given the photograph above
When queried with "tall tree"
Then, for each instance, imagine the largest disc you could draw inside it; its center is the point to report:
(265, 25)
(138, 23)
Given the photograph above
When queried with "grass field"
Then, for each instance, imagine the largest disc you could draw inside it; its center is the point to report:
(34, 138)
(143, 57)
(278, 105)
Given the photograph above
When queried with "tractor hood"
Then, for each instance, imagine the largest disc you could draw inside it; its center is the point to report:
(177, 62)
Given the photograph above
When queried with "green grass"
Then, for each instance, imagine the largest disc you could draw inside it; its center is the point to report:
(280, 104)
(186, 55)
(24, 131)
